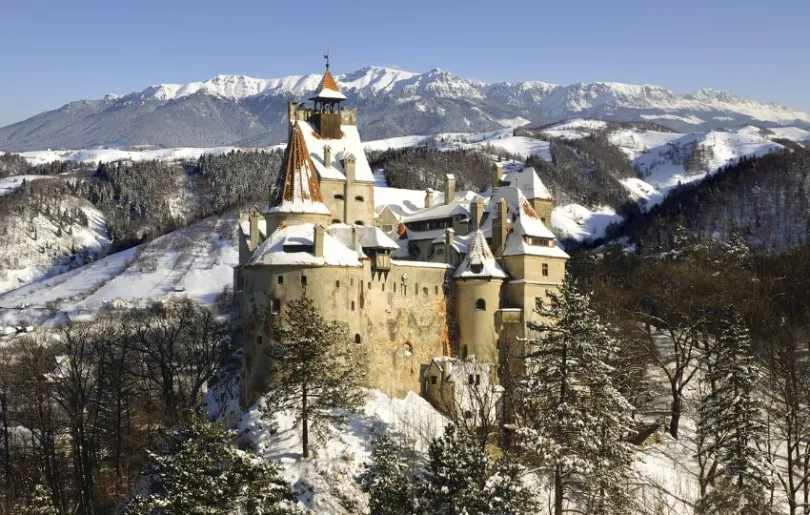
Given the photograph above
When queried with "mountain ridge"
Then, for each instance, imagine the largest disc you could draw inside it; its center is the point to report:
(239, 109)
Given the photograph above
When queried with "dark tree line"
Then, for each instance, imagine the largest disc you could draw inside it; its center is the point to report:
(420, 168)
(79, 406)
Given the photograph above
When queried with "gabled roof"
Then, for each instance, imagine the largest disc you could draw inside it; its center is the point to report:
(479, 261)
(297, 189)
(370, 237)
(349, 143)
(292, 245)
(527, 180)
(460, 205)
(328, 89)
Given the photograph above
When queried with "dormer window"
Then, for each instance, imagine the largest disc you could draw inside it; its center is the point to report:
(476, 268)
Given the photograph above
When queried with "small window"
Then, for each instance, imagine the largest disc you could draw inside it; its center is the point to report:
(358, 222)
(259, 340)
(394, 286)
(477, 379)
(425, 290)
(357, 338)
(437, 290)
(352, 305)
(280, 279)
(359, 198)
(303, 280)
(241, 281)
(369, 285)
(351, 281)
(387, 227)
(335, 221)
(432, 379)
(339, 196)
(545, 269)
(480, 305)
(275, 307)
(471, 379)
(464, 351)
(383, 286)
(538, 303)
(337, 284)
(543, 219)
(408, 348)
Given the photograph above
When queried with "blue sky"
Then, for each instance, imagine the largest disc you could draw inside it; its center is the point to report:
(55, 51)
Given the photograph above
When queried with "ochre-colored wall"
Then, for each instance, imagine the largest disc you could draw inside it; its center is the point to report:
(401, 322)
(477, 327)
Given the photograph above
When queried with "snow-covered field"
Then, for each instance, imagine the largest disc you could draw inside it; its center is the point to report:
(9, 184)
(196, 261)
(112, 154)
(579, 223)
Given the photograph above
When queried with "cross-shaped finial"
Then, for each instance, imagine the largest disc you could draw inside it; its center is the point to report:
(326, 56)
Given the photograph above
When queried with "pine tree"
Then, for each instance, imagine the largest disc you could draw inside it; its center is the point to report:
(201, 471)
(41, 503)
(461, 479)
(731, 424)
(315, 371)
(576, 422)
(387, 479)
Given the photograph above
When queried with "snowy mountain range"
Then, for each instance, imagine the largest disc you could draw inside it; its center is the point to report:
(245, 111)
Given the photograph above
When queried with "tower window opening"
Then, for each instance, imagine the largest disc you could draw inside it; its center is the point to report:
(425, 290)
(280, 279)
(275, 306)
(259, 340)
(471, 379)
(337, 284)
(303, 280)
(359, 198)
(359, 222)
(480, 305)
(352, 305)
(477, 379)
(369, 285)
(357, 338)
(336, 221)
(339, 197)
(432, 379)
(545, 269)
(437, 289)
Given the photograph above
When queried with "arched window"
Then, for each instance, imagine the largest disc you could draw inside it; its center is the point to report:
(480, 305)
(357, 338)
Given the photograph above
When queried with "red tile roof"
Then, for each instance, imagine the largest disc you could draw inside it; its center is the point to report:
(298, 180)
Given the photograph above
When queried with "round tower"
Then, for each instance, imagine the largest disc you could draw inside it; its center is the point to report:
(478, 282)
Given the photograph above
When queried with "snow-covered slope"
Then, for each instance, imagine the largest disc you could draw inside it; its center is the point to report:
(196, 261)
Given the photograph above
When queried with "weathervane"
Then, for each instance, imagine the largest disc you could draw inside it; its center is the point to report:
(326, 56)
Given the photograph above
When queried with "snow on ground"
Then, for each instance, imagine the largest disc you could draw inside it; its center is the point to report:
(791, 133)
(634, 142)
(691, 119)
(9, 184)
(514, 122)
(665, 166)
(111, 154)
(642, 192)
(44, 246)
(196, 261)
(577, 222)
(327, 479)
(577, 128)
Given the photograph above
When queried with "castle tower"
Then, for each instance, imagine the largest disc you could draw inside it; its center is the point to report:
(478, 281)
(327, 100)
(298, 195)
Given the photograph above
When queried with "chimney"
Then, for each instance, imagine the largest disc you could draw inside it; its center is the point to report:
(291, 114)
(348, 167)
(449, 188)
(499, 227)
(497, 173)
(429, 197)
(476, 214)
(327, 156)
(317, 241)
(449, 236)
(254, 228)
(355, 237)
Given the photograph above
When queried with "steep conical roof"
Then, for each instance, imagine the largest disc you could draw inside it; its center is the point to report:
(297, 188)
(328, 88)
(479, 261)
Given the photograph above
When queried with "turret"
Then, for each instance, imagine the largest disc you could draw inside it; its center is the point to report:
(478, 281)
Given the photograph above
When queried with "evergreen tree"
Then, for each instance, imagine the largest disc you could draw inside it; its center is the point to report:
(461, 479)
(41, 503)
(387, 480)
(731, 424)
(201, 471)
(576, 422)
(315, 371)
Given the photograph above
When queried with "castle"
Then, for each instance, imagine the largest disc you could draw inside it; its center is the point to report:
(452, 275)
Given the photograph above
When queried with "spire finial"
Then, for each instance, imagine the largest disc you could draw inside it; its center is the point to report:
(326, 56)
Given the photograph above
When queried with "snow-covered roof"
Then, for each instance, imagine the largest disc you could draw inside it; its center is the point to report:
(403, 202)
(328, 89)
(272, 251)
(527, 180)
(479, 261)
(460, 205)
(430, 234)
(369, 237)
(348, 143)
(297, 189)
(460, 243)
(262, 225)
